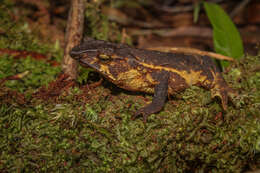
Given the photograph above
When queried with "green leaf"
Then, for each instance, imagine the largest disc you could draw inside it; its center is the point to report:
(196, 11)
(226, 38)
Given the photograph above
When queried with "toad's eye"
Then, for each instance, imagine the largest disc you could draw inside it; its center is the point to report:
(104, 57)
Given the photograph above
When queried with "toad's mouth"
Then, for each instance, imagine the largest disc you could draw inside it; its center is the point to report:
(76, 52)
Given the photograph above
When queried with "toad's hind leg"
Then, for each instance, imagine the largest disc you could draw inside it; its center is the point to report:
(222, 90)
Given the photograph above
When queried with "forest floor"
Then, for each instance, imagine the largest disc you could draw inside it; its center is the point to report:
(48, 123)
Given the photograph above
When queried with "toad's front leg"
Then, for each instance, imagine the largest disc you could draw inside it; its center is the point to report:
(159, 98)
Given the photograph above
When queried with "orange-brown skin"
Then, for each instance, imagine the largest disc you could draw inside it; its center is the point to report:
(151, 71)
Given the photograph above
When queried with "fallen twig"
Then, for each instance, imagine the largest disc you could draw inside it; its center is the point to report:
(74, 32)
(167, 32)
(14, 77)
(24, 54)
(191, 51)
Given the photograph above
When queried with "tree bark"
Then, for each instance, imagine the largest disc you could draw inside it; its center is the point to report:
(73, 36)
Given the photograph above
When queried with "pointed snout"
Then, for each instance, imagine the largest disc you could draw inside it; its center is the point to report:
(78, 50)
(75, 52)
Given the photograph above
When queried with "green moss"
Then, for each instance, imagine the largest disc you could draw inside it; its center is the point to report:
(100, 136)
(17, 36)
(40, 72)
